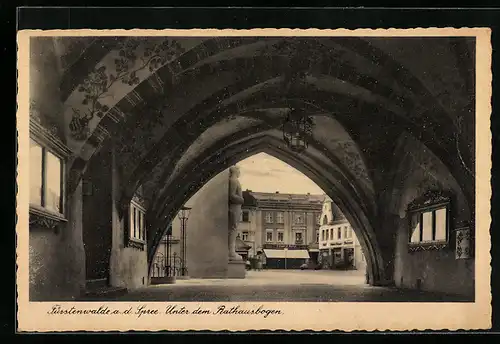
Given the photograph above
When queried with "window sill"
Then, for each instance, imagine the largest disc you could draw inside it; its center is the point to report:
(136, 243)
(41, 217)
(428, 246)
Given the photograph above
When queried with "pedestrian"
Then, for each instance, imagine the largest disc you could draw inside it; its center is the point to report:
(258, 264)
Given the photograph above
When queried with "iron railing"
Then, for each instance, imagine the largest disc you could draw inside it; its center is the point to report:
(162, 266)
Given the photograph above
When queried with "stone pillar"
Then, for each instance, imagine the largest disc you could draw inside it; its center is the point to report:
(97, 222)
(117, 240)
(207, 230)
(128, 266)
(387, 239)
(73, 236)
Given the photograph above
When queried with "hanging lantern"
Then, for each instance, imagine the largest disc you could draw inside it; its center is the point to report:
(296, 130)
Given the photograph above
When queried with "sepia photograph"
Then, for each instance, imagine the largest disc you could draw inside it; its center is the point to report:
(252, 168)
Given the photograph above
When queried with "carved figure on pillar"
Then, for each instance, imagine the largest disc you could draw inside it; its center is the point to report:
(235, 203)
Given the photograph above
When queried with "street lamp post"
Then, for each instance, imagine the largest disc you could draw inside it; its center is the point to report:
(167, 250)
(165, 254)
(183, 216)
(286, 251)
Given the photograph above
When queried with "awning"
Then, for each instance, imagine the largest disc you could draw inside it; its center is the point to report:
(291, 254)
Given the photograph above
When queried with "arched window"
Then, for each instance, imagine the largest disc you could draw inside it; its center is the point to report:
(325, 220)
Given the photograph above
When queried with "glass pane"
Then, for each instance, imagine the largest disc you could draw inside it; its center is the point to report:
(269, 218)
(134, 233)
(298, 237)
(427, 226)
(53, 183)
(143, 227)
(35, 173)
(441, 224)
(139, 233)
(415, 234)
(269, 236)
(138, 219)
(132, 222)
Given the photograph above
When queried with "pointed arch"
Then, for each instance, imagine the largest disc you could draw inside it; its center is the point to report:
(313, 169)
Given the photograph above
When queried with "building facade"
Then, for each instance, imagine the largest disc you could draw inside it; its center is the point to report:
(283, 227)
(339, 247)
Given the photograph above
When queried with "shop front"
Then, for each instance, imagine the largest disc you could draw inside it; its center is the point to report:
(242, 248)
(286, 258)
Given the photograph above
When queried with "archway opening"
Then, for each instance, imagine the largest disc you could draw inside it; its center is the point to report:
(280, 234)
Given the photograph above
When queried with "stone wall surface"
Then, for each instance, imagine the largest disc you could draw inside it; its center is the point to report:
(437, 270)
(128, 265)
(207, 229)
(57, 258)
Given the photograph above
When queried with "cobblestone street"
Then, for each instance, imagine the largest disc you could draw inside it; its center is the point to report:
(280, 285)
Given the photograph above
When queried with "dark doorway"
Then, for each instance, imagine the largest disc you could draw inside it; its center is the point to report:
(97, 222)
(349, 258)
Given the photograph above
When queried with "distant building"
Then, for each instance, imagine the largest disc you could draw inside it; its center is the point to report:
(284, 227)
(338, 244)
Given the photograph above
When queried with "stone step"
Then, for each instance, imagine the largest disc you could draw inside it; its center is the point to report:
(93, 284)
(105, 292)
(163, 280)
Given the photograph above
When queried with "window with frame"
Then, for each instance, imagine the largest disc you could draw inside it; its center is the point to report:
(281, 236)
(137, 224)
(325, 220)
(339, 233)
(323, 237)
(299, 238)
(317, 236)
(280, 218)
(245, 216)
(331, 234)
(299, 219)
(269, 217)
(429, 221)
(46, 178)
(429, 226)
(244, 236)
(269, 235)
(346, 233)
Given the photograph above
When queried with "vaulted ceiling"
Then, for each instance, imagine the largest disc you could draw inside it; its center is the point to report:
(166, 101)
